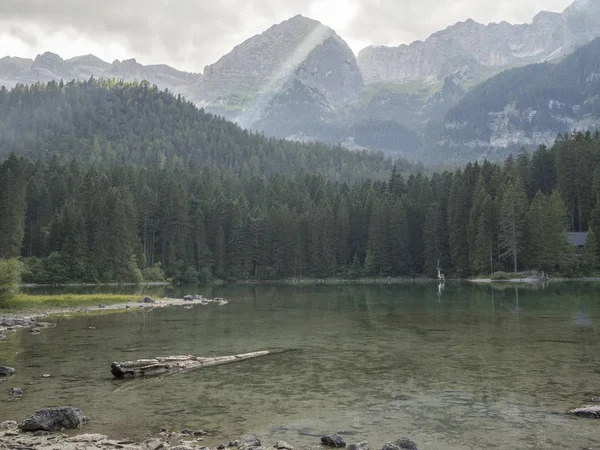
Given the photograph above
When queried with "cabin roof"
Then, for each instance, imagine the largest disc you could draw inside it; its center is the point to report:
(577, 239)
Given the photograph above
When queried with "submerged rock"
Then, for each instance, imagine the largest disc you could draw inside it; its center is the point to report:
(359, 446)
(406, 443)
(591, 412)
(6, 371)
(54, 419)
(333, 440)
(282, 445)
(16, 391)
(2, 337)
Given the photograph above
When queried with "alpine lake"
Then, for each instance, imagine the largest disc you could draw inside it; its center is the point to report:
(471, 367)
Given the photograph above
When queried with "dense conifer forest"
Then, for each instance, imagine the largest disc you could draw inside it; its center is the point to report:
(99, 183)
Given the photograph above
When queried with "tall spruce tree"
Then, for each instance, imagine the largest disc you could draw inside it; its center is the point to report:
(512, 219)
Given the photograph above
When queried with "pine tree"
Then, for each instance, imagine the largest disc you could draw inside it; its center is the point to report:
(513, 221)
(482, 258)
(589, 257)
(458, 220)
(13, 206)
(399, 240)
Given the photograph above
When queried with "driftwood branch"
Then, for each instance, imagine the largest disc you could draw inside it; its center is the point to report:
(175, 364)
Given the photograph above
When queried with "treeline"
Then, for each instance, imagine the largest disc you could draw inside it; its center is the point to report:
(124, 222)
(105, 122)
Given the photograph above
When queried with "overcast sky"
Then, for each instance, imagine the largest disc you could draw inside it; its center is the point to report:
(188, 34)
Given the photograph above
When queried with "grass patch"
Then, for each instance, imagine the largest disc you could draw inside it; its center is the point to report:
(21, 301)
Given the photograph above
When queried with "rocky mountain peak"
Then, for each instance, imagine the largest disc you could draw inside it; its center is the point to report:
(49, 66)
(298, 49)
(549, 36)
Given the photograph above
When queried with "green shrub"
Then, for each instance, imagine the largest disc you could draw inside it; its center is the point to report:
(154, 273)
(190, 276)
(10, 278)
(498, 276)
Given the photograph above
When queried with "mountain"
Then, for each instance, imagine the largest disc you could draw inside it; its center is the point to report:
(483, 49)
(527, 106)
(49, 66)
(300, 81)
(298, 67)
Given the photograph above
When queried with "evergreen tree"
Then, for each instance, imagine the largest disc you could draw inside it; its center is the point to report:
(458, 220)
(513, 221)
(13, 206)
(590, 251)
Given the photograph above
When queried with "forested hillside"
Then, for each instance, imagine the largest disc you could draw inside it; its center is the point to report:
(121, 221)
(108, 123)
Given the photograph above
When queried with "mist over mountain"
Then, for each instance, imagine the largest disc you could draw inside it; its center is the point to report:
(299, 80)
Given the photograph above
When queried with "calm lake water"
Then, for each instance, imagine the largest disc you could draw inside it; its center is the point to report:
(478, 367)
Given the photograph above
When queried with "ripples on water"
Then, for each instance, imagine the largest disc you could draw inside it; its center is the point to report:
(477, 367)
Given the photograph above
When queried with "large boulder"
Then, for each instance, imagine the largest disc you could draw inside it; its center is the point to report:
(54, 419)
(333, 440)
(591, 412)
(6, 371)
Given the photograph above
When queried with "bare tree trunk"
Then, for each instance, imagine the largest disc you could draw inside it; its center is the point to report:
(174, 364)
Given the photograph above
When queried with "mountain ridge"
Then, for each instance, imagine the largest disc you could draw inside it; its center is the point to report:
(300, 80)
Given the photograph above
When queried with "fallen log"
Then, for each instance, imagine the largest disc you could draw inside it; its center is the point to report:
(174, 364)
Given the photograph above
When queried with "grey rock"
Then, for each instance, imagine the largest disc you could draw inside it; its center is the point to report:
(6, 371)
(235, 443)
(147, 300)
(249, 440)
(358, 446)
(188, 298)
(590, 412)
(7, 424)
(16, 391)
(389, 446)
(406, 443)
(41, 433)
(333, 440)
(35, 330)
(54, 419)
(46, 375)
(282, 445)
(193, 432)
(221, 447)
(155, 444)
(2, 337)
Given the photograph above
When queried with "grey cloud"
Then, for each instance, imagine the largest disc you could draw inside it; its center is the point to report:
(193, 33)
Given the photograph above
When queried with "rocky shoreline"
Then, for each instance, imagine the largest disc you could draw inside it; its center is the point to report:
(45, 429)
(35, 320)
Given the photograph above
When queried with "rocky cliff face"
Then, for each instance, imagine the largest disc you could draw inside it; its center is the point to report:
(527, 106)
(298, 64)
(483, 49)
